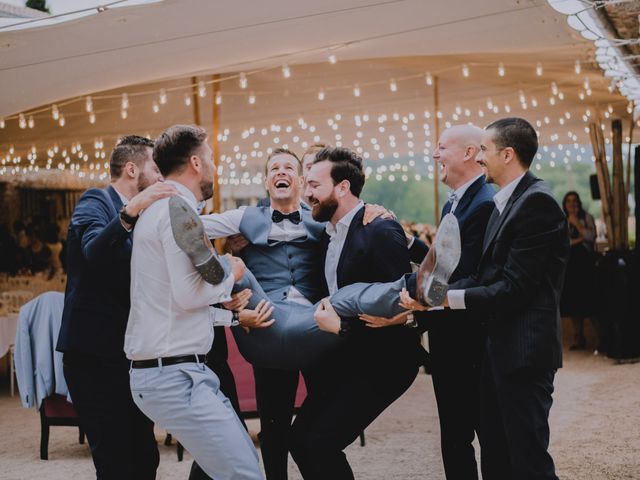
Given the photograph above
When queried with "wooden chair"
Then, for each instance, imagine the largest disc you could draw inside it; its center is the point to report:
(56, 411)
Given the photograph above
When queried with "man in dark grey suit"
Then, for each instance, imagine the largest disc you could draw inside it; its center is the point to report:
(516, 289)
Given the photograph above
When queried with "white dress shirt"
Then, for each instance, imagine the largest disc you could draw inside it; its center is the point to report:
(219, 225)
(460, 191)
(456, 297)
(337, 235)
(170, 313)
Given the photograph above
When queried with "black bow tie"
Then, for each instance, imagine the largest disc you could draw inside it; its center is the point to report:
(293, 217)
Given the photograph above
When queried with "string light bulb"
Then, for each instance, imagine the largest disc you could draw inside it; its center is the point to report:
(501, 70)
(88, 105)
(321, 95)
(124, 102)
(187, 100)
(428, 79)
(155, 107)
(62, 122)
(252, 99)
(243, 80)
(55, 113)
(218, 98)
(2, 124)
(554, 88)
(31, 123)
(202, 89)
(393, 86)
(22, 122)
(124, 114)
(332, 59)
(286, 71)
(356, 91)
(577, 67)
(92, 118)
(465, 70)
(163, 96)
(539, 69)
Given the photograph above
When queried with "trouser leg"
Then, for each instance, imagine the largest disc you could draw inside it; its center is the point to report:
(186, 400)
(333, 418)
(525, 399)
(275, 396)
(120, 436)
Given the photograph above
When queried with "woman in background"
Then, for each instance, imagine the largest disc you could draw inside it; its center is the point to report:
(576, 301)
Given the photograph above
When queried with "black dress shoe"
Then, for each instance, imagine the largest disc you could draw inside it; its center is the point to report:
(190, 236)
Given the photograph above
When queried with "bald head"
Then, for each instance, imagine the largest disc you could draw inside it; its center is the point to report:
(456, 152)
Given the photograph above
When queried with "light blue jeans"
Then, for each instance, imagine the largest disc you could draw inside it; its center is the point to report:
(186, 400)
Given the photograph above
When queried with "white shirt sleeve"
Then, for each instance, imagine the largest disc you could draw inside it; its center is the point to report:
(456, 300)
(189, 290)
(220, 225)
(221, 317)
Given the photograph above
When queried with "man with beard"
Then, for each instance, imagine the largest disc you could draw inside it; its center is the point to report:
(375, 366)
(170, 323)
(95, 313)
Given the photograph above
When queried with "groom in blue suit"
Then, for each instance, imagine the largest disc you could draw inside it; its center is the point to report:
(96, 310)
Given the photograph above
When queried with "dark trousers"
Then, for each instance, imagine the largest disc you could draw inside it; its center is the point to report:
(514, 423)
(217, 361)
(275, 396)
(455, 369)
(121, 437)
(338, 407)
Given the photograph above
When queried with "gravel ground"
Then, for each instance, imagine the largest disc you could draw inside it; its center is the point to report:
(595, 428)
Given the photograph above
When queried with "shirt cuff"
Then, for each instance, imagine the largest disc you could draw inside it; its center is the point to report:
(221, 317)
(456, 299)
(411, 242)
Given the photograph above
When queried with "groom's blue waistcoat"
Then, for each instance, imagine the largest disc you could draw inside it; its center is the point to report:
(278, 265)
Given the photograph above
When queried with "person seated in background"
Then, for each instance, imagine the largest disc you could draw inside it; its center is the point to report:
(576, 301)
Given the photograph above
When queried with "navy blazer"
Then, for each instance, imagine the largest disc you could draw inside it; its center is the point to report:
(519, 279)
(97, 298)
(376, 252)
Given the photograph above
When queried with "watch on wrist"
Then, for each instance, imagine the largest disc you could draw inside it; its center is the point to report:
(411, 322)
(345, 328)
(126, 218)
(235, 318)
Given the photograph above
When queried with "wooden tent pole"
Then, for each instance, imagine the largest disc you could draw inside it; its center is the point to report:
(601, 169)
(194, 100)
(215, 131)
(436, 179)
(618, 185)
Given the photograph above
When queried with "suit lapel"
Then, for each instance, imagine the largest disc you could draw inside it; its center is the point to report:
(356, 223)
(495, 223)
(467, 198)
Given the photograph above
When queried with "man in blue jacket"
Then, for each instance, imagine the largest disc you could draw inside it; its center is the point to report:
(96, 310)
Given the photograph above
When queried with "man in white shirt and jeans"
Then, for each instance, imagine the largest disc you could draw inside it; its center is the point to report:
(170, 322)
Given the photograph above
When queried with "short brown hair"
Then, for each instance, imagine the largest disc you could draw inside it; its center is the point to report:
(282, 151)
(315, 148)
(345, 165)
(132, 148)
(175, 145)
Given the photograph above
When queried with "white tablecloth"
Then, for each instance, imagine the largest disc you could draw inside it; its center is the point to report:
(8, 325)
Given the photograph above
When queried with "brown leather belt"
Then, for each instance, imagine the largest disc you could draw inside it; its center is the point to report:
(157, 362)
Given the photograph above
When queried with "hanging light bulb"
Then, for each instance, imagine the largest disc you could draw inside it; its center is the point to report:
(321, 95)
(55, 113)
(286, 71)
(88, 104)
(465, 70)
(534, 102)
(124, 114)
(581, 95)
(202, 89)
(501, 70)
(586, 83)
(554, 88)
(521, 96)
(92, 118)
(62, 121)
(428, 79)
(332, 59)
(22, 122)
(2, 123)
(252, 98)
(393, 86)
(577, 67)
(124, 102)
(163, 96)
(629, 108)
(539, 70)
(218, 98)
(187, 99)
(155, 107)
(31, 123)
(356, 91)
(243, 81)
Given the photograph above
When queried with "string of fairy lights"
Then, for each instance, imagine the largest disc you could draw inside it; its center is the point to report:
(400, 143)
